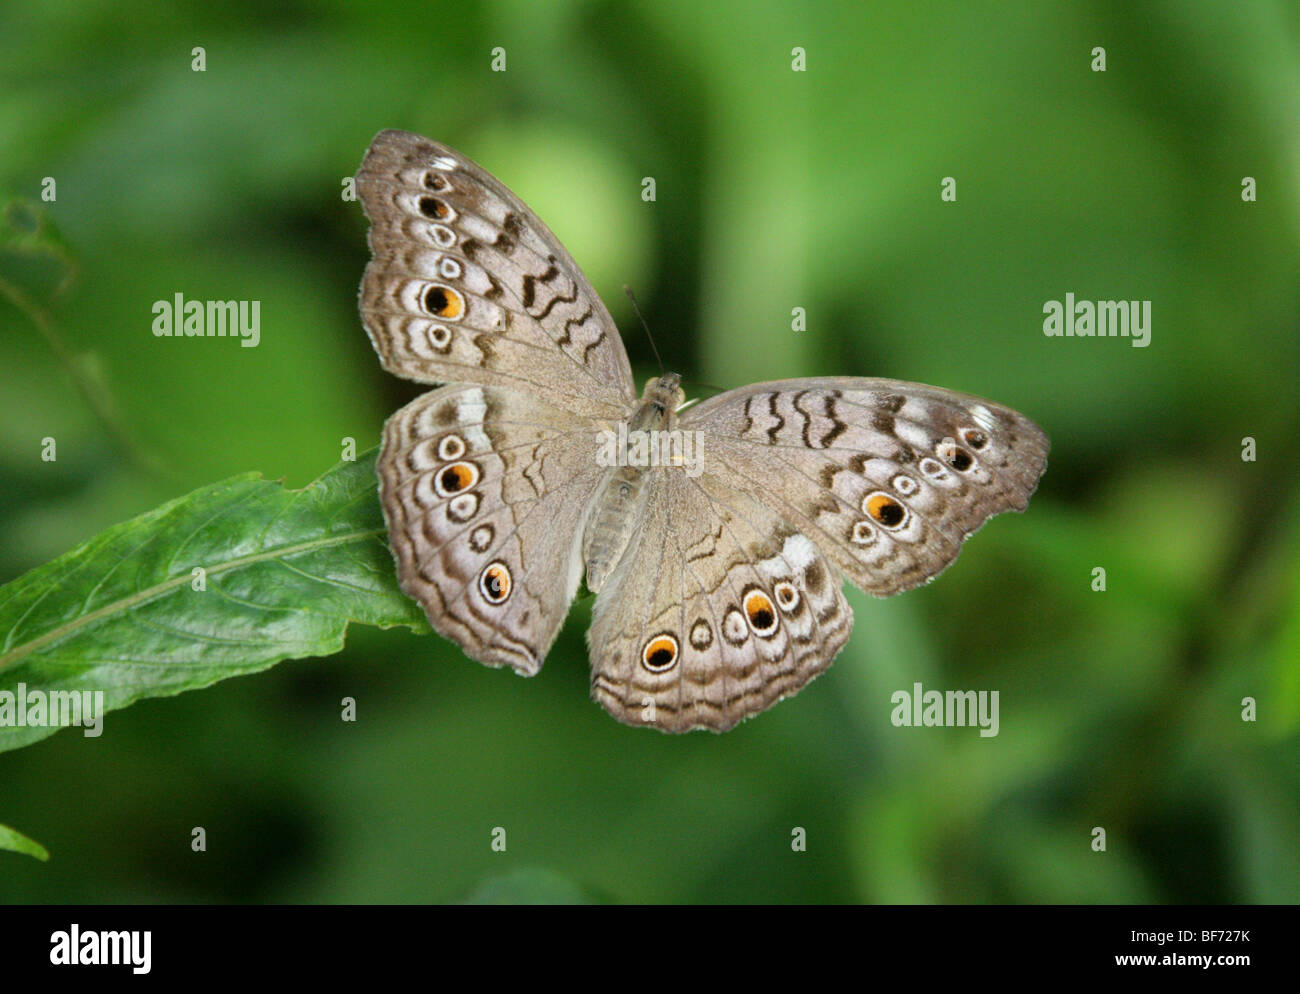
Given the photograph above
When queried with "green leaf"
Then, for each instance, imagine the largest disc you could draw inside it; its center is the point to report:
(17, 842)
(36, 265)
(285, 571)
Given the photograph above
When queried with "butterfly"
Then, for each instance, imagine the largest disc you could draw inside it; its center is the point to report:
(718, 571)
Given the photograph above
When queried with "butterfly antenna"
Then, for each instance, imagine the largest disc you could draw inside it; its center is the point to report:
(628, 290)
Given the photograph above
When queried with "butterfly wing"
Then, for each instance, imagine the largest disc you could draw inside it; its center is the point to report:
(485, 492)
(717, 610)
(888, 478)
(467, 285)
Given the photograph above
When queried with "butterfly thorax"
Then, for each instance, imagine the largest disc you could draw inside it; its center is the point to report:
(618, 508)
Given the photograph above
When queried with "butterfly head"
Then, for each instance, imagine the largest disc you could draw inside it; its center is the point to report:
(664, 393)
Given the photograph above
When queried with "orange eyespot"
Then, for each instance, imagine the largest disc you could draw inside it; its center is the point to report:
(660, 653)
(760, 612)
(886, 510)
(456, 478)
(494, 583)
(444, 302)
(975, 438)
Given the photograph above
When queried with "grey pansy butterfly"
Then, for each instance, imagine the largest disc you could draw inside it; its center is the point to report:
(718, 579)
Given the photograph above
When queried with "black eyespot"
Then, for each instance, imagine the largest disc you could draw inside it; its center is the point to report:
(434, 208)
(961, 460)
(975, 438)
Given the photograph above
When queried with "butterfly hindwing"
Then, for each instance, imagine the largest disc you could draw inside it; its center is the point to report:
(485, 492)
(718, 610)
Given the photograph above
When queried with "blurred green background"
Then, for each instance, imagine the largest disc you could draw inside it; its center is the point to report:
(775, 189)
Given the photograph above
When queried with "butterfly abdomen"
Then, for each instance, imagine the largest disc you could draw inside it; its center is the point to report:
(612, 525)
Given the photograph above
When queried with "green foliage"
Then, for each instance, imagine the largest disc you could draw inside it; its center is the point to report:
(12, 841)
(528, 886)
(229, 580)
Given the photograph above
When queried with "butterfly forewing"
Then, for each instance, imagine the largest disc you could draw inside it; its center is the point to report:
(467, 285)
(889, 478)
